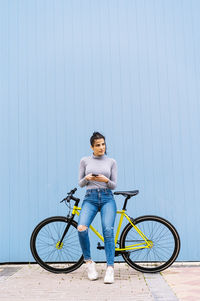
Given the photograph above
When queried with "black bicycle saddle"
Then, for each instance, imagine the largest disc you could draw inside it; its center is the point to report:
(127, 193)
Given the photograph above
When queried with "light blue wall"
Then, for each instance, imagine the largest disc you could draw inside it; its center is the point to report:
(129, 69)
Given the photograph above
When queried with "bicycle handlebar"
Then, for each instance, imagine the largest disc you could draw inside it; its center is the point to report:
(70, 196)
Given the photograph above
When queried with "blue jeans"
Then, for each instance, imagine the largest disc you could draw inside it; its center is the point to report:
(100, 199)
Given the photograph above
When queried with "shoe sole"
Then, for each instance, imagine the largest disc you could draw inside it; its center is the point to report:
(92, 279)
(108, 282)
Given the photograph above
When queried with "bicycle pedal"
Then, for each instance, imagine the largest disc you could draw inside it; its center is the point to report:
(119, 253)
(99, 246)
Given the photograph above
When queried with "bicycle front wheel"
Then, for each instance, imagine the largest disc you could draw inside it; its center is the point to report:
(164, 240)
(47, 250)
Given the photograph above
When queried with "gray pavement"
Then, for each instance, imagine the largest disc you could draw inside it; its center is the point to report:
(30, 282)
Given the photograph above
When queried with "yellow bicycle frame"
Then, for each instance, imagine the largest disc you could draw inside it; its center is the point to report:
(146, 244)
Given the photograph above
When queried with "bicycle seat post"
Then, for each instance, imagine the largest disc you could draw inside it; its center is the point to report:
(125, 202)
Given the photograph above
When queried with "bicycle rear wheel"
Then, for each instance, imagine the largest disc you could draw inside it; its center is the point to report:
(46, 250)
(164, 250)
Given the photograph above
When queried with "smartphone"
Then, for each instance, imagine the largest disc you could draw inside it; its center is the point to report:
(94, 175)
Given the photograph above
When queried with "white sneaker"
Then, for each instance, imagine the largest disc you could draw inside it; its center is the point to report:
(91, 270)
(109, 276)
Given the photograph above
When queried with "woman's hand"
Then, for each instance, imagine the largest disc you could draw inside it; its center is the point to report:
(90, 177)
(99, 178)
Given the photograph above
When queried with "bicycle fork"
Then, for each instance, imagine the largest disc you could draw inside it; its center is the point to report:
(60, 243)
(69, 219)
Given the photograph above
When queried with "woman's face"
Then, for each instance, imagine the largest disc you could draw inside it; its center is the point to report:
(99, 147)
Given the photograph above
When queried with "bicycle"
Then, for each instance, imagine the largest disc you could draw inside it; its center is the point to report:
(147, 243)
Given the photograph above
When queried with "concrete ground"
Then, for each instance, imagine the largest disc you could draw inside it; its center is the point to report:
(31, 283)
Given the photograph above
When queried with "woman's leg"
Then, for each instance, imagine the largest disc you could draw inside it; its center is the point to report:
(87, 214)
(108, 214)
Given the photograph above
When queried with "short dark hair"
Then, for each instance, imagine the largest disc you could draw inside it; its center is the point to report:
(97, 135)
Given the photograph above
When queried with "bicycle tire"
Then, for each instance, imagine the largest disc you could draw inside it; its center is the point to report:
(166, 243)
(46, 251)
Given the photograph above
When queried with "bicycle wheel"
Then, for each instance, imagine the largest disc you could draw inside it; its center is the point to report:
(45, 247)
(165, 244)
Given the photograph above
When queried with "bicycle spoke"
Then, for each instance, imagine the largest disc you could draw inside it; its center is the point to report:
(53, 255)
(156, 255)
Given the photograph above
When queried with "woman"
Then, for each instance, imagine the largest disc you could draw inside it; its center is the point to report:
(99, 174)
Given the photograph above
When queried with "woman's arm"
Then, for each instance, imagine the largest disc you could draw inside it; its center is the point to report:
(82, 180)
(112, 182)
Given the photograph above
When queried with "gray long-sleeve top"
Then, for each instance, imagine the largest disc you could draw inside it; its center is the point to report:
(98, 165)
